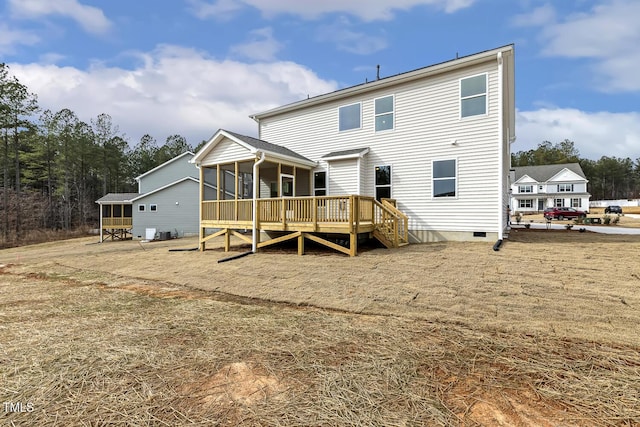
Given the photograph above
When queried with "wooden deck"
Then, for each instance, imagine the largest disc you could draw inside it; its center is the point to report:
(117, 228)
(307, 218)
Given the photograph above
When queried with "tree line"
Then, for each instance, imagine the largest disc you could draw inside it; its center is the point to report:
(610, 178)
(55, 166)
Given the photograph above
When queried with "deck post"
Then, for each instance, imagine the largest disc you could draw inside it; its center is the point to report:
(227, 240)
(301, 244)
(101, 212)
(200, 211)
(218, 194)
(235, 189)
(353, 244)
(314, 214)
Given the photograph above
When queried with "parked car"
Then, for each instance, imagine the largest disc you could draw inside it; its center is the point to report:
(562, 213)
(613, 209)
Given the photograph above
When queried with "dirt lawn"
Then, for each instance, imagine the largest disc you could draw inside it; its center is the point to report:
(543, 332)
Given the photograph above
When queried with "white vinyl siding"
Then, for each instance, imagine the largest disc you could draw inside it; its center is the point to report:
(427, 118)
(343, 177)
(227, 151)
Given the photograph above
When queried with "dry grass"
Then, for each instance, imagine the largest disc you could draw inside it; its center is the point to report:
(542, 333)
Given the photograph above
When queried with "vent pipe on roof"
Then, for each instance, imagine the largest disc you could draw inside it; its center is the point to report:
(378, 73)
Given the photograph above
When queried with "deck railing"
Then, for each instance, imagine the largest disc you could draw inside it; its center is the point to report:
(350, 211)
(119, 222)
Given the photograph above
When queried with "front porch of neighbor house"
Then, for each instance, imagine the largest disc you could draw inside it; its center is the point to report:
(270, 190)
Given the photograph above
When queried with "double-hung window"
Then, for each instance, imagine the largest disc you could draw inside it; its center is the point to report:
(383, 182)
(473, 96)
(525, 203)
(565, 188)
(444, 178)
(525, 189)
(320, 183)
(349, 117)
(384, 110)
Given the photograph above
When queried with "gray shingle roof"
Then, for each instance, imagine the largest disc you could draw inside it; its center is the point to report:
(267, 146)
(345, 152)
(545, 172)
(117, 198)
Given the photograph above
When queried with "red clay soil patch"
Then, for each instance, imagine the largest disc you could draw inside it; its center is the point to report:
(235, 383)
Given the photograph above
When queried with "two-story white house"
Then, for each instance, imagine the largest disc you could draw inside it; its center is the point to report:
(420, 156)
(535, 188)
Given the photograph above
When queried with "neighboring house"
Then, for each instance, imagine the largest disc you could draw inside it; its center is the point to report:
(166, 202)
(535, 188)
(435, 141)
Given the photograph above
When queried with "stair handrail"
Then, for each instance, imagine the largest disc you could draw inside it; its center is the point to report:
(401, 216)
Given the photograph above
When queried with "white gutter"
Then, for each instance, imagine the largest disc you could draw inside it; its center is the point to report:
(256, 187)
(501, 214)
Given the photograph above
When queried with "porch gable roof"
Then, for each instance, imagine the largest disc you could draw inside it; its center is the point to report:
(117, 198)
(254, 146)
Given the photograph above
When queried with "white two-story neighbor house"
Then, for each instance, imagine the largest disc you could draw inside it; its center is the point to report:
(420, 156)
(535, 188)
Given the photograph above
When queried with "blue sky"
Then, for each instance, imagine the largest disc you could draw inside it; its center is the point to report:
(193, 66)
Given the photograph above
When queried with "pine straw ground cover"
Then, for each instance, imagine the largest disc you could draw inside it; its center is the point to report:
(80, 345)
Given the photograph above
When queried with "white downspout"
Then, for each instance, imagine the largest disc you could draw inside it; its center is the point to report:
(256, 187)
(501, 213)
(101, 223)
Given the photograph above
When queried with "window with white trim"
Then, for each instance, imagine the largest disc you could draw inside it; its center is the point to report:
(525, 189)
(565, 188)
(473, 96)
(384, 111)
(558, 203)
(320, 183)
(525, 203)
(142, 208)
(576, 203)
(349, 117)
(383, 182)
(153, 208)
(444, 178)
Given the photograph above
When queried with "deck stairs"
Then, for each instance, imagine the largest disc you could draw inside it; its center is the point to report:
(391, 225)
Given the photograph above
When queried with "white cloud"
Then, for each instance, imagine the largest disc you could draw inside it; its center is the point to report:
(174, 90)
(220, 9)
(366, 10)
(348, 40)
(539, 16)
(608, 35)
(10, 38)
(595, 134)
(90, 18)
(262, 47)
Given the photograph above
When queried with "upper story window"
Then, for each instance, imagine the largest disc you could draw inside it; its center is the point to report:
(565, 188)
(473, 96)
(525, 189)
(349, 117)
(444, 178)
(141, 208)
(384, 109)
(320, 183)
(153, 208)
